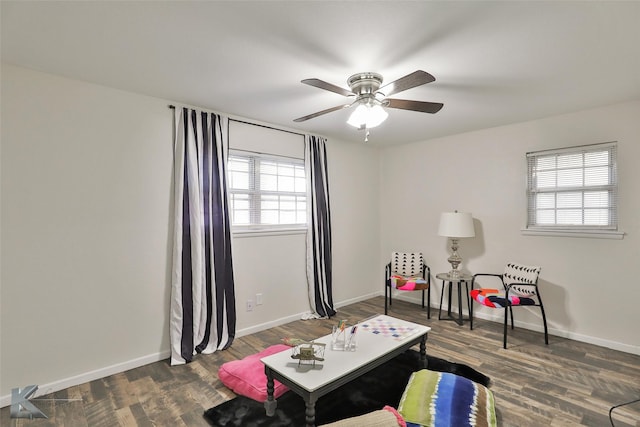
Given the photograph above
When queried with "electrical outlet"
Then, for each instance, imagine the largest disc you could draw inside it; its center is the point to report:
(258, 299)
(249, 305)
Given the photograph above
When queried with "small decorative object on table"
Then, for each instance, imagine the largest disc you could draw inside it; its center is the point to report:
(308, 352)
(343, 337)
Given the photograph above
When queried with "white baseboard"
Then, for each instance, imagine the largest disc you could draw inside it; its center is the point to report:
(288, 319)
(357, 299)
(614, 345)
(145, 360)
(266, 325)
(90, 376)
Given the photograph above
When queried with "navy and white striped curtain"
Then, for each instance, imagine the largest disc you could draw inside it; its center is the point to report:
(319, 274)
(203, 316)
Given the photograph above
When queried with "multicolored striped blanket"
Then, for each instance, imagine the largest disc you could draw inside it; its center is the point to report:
(441, 399)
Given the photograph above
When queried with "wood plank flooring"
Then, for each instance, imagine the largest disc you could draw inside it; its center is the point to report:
(566, 383)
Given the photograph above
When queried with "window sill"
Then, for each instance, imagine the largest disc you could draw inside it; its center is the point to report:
(595, 234)
(267, 232)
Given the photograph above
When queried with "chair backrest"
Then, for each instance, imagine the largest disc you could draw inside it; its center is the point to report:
(518, 273)
(407, 264)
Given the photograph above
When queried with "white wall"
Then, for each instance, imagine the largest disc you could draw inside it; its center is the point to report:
(85, 227)
(86, 194)
(274, 265)
(589, 285)
(354, 192)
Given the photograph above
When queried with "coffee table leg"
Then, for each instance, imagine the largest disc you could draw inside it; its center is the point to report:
(310, 412)
(270, 404)
(423, 351)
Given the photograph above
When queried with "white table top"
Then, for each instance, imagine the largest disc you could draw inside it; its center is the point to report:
(373, 338)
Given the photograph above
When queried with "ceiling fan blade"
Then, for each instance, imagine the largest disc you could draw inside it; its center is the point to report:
(417, 78)
(421, 106)
(320, 113)
(328, 86)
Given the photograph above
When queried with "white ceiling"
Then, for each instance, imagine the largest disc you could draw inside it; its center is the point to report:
(495, 62)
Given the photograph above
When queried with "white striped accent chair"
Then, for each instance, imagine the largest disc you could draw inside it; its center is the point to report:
(407, 272)
(519, 288)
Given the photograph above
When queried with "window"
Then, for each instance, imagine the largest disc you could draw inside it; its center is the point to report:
(573, 189)
(266, 192)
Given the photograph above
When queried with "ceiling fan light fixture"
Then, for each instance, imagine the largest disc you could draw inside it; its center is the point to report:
(371, 97)
(367, 116)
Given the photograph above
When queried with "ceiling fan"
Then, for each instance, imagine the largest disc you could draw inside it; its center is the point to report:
(371, 98)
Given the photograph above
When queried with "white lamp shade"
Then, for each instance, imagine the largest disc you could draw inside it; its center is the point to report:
(456, 224)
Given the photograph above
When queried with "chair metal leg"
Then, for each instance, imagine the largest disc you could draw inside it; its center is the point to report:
(471, 311)
(544, 318)
(428, 302)
(468, 297)
(505, 327)
(511, 312)
(544, 321)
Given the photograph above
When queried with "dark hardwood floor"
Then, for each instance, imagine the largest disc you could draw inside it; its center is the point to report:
(566, 383)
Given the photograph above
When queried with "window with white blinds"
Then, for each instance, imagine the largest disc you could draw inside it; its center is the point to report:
(266, 192)
(574, 189)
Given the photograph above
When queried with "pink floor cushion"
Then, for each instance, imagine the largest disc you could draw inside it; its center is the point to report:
(246, 377)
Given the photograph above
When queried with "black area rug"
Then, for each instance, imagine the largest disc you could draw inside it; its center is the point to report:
(382, 386)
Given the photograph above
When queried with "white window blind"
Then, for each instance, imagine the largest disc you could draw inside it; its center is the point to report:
(573, 188)
(266, 192)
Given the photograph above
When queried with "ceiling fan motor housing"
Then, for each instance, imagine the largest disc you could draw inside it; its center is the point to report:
(365, 83)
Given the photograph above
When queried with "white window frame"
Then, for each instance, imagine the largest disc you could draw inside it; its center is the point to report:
(255, 195)
(550, 187)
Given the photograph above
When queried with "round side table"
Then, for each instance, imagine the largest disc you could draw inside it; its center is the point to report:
(458, 280)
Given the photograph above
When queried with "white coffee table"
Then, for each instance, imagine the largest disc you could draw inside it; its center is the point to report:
(375, 345)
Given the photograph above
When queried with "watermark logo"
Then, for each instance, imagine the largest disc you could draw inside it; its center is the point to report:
(21, 407)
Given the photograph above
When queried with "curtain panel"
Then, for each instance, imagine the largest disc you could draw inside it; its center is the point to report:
(203, 314)
(319, 274)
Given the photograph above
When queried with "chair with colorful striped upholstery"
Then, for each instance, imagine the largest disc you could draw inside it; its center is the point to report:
(520, 288)
(407, 272)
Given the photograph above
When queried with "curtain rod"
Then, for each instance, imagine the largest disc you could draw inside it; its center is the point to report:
(265, 154)
(268, 127)
(173, 107)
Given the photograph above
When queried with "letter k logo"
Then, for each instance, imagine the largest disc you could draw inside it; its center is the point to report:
(20, 405)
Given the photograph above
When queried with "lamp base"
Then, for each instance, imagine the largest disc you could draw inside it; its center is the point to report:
(454, 273)
(454, 259)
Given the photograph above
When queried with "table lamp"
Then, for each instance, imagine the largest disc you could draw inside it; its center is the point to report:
(455, 225)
